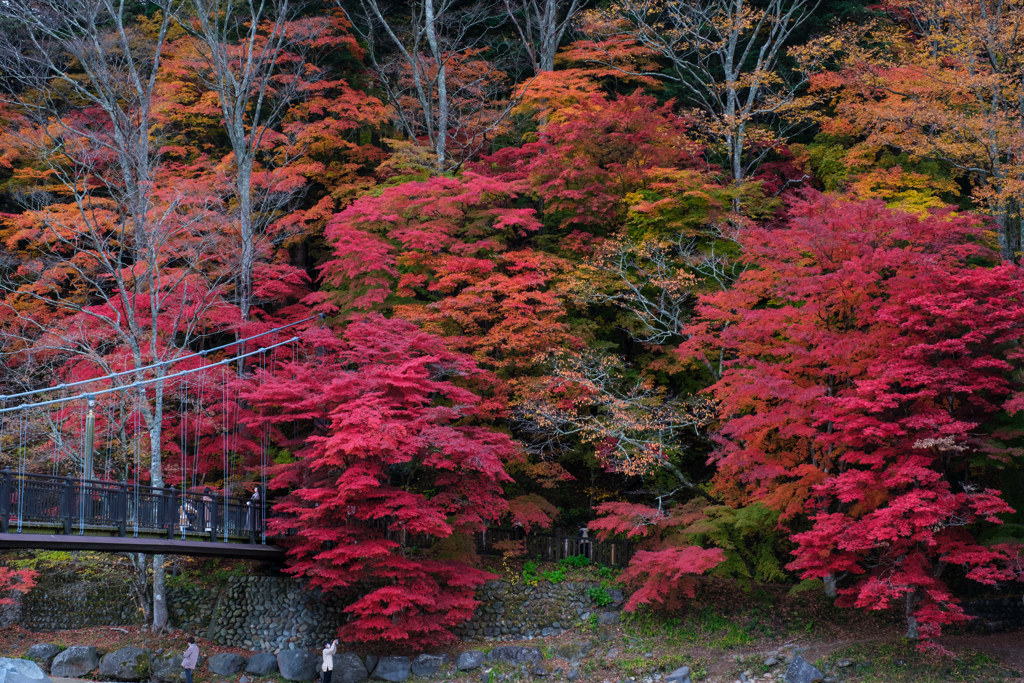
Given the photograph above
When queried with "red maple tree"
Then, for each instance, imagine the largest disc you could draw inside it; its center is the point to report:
(585, 167)
(388, 448)
(861, 355)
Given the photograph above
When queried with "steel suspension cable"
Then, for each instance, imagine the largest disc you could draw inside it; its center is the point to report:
(200, 354)
(144, 382)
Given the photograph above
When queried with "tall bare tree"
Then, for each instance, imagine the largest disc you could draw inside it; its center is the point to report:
(107, 229)
(541, 24)
(726, 55)
(426, 57)
(242, 46)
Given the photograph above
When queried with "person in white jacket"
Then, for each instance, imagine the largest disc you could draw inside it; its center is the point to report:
(328, 665)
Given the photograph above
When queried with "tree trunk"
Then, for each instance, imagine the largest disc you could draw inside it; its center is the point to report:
(156, 476)
(248, 237)
(547, 29)
(831, 590)
(140, 584)
(913, 632)
(161, 619)
(441, 140)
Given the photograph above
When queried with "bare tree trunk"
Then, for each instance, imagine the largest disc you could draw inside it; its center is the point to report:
(722, 54)
(440, 143)
(540, 28)
(913, 598)
(250, 102)
(248, 264)
(831, 586)
(420, 69)
(140, 584)
(161, 618)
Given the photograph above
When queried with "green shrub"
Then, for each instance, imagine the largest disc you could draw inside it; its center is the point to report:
(576, 561)
(556, 575)
(599, 596)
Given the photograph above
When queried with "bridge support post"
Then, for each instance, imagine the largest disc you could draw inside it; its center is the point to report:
(5, 502)
(122, 510)
(251, 519)
(172, 511)
(90, 430)
(213, 520)
(68, 503)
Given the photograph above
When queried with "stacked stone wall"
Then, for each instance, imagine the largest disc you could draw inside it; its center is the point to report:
(62, 600)
(274, 614)
(519, 611)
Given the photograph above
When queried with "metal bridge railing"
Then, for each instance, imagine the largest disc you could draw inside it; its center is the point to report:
(75, 505)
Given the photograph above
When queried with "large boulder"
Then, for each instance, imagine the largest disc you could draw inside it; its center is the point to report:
(801, 671)
(262, 664)
(21, 671)
(510, 654)
(297, 665)
(427, 665)
(225, 664)
(469, 660)
(43, 654)
(75, 662)
(392, 669)
(680, 675)
(166, 668)
(126, 664)
(348, 668)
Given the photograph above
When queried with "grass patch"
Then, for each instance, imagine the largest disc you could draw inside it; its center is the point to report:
(903, 663)
(703, 627)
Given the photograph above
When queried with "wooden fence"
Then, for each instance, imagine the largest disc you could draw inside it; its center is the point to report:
(555, 547)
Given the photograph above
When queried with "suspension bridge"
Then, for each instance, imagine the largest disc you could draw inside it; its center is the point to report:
(86, 510)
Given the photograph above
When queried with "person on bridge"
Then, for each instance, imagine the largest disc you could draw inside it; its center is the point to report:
(188, 661)
(254, 507)
(207, 508)
(328, 666)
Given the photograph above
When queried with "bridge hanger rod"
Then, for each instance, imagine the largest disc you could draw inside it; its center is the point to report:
(203, 353)
(144, 382)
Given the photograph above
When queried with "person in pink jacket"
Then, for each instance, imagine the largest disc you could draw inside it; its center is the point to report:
(188, 661)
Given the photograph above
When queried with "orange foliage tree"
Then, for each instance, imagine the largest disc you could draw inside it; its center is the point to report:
(943, 84)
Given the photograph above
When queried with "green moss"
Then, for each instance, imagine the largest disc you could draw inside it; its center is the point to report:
(141, 665)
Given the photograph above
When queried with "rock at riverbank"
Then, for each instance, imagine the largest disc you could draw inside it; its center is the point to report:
(21, 671)
(75, 662)
(126, 664)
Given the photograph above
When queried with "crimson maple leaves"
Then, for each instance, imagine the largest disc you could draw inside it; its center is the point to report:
(866, 349)
(389, 447)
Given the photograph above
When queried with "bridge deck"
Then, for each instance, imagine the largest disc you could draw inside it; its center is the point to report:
(120, 517)
(114, 544)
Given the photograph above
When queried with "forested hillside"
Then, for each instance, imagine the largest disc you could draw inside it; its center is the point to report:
(738, 280)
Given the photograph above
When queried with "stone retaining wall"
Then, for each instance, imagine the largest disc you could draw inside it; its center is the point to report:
(270, 614)
(66, 601)
(517, 611)
(274, 614)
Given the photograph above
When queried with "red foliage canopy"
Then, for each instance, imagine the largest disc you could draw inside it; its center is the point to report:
(864, 349)
(584, 167)
(393, 453)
